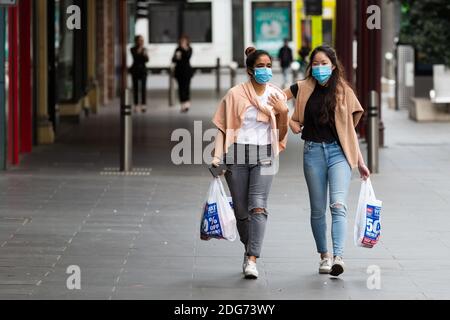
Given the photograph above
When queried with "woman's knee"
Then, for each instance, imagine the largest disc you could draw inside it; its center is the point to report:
(259, 211)
(339, 208)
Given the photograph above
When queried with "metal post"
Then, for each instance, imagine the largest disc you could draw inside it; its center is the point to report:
(126, 133)
(218, 76)
(373, 132)
(171, 86)
(233, 69)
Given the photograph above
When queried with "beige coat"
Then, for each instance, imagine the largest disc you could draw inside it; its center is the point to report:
(231, 111)
(347, 116)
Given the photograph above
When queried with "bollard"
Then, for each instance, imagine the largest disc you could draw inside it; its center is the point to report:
(373, 132)
(233, 68)
(126, 133)
(218, 76)
(171, 86)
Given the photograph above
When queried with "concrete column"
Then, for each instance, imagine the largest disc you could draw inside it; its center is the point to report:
(100, 52)
(110, 14)
(25, 77)
(45, 132)
(3, 131)
(345, 11)
(369, 61)
(93, 95)
(388, 30)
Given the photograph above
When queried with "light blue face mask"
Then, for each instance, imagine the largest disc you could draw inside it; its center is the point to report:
(263, 75)
(322, 73)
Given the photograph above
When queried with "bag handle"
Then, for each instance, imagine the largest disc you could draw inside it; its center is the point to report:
(370, 189)
(221, 188)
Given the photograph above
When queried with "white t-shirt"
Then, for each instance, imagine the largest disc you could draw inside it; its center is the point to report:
(252, 131)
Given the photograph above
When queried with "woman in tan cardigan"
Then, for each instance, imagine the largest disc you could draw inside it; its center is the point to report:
(253, 125)
(326, 113)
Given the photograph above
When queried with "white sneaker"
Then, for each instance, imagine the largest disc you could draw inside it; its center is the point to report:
(338, 267)
(325, 266)
(251, 272)
(244, 263)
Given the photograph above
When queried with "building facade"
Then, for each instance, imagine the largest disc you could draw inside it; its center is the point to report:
(58, 59)
(224, 28)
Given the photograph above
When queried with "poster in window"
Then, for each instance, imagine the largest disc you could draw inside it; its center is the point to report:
(272, 24)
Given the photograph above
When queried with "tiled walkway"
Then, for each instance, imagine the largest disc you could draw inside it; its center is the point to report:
(136, 237)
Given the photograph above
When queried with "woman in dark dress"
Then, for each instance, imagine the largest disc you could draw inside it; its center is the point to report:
(139, 73)
(183, 72)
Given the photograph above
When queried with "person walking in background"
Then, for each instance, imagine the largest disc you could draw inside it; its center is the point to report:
(183, 72)
(303, 54)
(286, 58)
(139, 73)
(253, 121)
(327, 112)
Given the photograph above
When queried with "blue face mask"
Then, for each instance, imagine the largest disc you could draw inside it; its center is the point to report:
(322, 73)
(263, 75)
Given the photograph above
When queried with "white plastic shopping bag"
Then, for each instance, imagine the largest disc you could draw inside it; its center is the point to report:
(218, 219)
(367, 222)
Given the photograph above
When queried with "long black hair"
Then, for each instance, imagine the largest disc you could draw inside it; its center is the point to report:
(335, 84)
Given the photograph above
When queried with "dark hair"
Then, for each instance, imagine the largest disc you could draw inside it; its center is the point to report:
(253, 55)
(336, 83)
(136, 38)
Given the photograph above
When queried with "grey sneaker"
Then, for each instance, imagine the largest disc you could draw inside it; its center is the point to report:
(325, 266)
(251, 272)
(338, 267)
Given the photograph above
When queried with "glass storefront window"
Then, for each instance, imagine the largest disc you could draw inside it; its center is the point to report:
(327, 29)
(197, 22)
(164, 24)
(169, 21)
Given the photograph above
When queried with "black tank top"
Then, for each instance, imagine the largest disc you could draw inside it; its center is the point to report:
(314, 130)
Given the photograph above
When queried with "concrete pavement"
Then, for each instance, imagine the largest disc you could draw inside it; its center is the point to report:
(136, 237)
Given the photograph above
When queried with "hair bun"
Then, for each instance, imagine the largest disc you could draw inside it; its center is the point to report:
(249, 51)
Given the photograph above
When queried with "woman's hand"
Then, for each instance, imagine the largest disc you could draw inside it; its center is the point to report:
(295, 127)
(216, 162)
(277, 104)
(363, 171)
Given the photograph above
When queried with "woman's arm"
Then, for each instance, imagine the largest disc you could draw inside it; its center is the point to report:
(218, 148)
(295, 126)
(363, 170)
(288, 94)
(146, 57)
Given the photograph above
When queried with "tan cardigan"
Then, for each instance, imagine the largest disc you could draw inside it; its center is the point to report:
(347, 116)
(231, 111)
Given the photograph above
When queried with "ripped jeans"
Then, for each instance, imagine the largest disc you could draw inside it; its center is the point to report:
(249, 188)
(325, 165)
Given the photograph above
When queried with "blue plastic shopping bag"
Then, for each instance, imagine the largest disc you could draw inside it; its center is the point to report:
(218, 220)
(367, 229)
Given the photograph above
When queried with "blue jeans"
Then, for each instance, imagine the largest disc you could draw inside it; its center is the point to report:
(325, 165)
